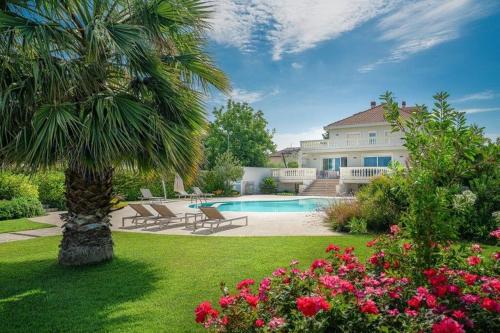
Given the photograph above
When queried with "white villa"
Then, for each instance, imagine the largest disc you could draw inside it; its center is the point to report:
(358, 147)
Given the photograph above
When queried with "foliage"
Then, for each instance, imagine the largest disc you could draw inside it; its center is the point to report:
(21, 225)
(442, 152)
(241, 130)
(20, 207)
(268, 185)
(128, 184)
(51, 188)
(227, 169)
(383, 201)
(292, 164)
(340, 294)
(14, 185)
(358, 225)
(339, 213)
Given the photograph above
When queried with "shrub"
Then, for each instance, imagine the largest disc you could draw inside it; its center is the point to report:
(341, 294)
(51, 188)
(358, 225)
(20, 207)
(382, 202)
(219, 179)
(340, 213)
(268, 185)
(14, 185)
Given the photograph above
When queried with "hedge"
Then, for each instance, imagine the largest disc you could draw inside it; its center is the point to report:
(20, 207)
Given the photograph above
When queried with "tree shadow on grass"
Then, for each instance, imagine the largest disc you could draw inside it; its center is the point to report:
(41, 296)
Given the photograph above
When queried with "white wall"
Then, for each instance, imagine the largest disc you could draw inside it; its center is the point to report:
(354, 158)
(384, 133)
(253, 175)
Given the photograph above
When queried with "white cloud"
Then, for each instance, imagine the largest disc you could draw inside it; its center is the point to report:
(418, 26)
(290, 26)
(296, 65)
(242, 95)
(284, 140)
(479, 110)
(483, 95)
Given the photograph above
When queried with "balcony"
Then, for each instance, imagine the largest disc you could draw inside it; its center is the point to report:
(294, 175)
(360, 175)
(343, 145)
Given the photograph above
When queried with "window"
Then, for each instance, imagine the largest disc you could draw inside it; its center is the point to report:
(352, 139)
(374, 161)
(372, 138)
(334, 163)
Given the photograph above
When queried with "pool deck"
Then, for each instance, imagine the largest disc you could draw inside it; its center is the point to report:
(259, 224)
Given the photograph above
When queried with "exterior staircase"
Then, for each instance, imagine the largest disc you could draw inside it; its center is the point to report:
(322, 187)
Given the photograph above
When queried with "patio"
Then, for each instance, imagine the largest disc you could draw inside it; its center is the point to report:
(259, 224)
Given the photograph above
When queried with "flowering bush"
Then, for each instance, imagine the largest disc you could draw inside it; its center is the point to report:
(341, 294)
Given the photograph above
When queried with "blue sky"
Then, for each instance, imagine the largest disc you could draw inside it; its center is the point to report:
(307, 63)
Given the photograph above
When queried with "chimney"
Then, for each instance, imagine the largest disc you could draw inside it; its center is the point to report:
(373, 104)
(403, 104)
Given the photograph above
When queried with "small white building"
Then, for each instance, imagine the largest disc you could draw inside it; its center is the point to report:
(358, 147)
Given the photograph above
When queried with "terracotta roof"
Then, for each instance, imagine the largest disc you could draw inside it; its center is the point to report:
(372, 115)
(289, 150)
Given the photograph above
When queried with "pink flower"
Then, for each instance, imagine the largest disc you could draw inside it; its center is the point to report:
(333, 248)
(280, 271)
(393, 312)
(458, 314)
(473, 260)
(476, 248)
(318, 263)
(276, 322)
(310, 306)
(407, 246)
(294, 262)
(226, 301)
(470, 298)
(431, 301)
(264, 287)
(245, 284)
(395, 229)
(369, 306)
(372, 242)
(203, 311)
(259, 323)
(496, 256)
(411, 313)
(447, 325)
(329, 281)
(495, 233)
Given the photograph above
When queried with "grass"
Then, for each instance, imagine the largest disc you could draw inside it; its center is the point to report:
(153, 284)
(20, 225)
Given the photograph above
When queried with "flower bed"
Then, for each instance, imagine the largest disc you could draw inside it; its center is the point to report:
(341, 294)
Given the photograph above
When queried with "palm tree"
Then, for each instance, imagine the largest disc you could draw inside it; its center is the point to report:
(97, 84)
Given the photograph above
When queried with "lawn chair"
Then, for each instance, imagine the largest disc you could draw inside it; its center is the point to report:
(201, 194)
(214, 217)
(165, 215)
(141, 214)
(148, 196)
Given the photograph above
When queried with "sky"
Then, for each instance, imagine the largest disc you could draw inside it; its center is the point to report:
(307, 63)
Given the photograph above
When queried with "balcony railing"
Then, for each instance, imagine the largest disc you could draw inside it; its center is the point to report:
(294, 174)
(324, 145)
(360, 174)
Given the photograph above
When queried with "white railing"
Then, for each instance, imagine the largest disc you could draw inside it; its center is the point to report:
(360, 174)
(294, 174)
(321, 145)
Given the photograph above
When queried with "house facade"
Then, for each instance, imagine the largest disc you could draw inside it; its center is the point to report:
(357, 148)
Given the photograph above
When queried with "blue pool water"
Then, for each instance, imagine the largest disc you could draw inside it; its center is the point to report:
(279, 206)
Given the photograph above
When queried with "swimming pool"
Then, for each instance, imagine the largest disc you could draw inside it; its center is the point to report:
(277, 206)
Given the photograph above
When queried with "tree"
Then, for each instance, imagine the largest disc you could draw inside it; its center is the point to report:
(96, 85)
(241, 130)
(442, 153)
(227, 169)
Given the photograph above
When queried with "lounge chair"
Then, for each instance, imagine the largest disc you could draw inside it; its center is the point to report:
(165, 215)
(214, 217)
(141, 214)
(148, 196)
(201, 194)
(184, 194)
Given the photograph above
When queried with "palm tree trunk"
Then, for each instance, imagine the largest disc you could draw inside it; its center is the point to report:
(87, 234)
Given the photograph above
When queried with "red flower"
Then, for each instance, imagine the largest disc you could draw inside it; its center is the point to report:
(473, 260)
(252, 300)
(318, 263)
(333, 248)
(245, 284)
(407, 246)
(430, 272)
(447, 325)
(369, 306)
(259, 323)
(226, 301)
(203, 310)
(458, 314)
(387, 265)
(431, 301)
(470, 279)
(310, 306)
(490, 305)
(225, 320)
(411, 313)
(495, 233)
(414, 302)
(372, 242)
(373, 259)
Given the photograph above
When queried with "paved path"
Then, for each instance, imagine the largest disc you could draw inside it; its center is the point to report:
(259, 224)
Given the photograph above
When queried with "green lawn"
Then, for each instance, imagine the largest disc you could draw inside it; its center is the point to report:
(153, 284)
(20, 225)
